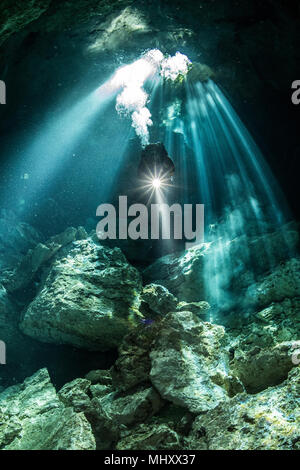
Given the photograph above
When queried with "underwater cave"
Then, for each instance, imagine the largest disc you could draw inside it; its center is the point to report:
(149, 225)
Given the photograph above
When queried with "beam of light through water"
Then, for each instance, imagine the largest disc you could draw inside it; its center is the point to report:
(217, 162)
(242, 198)
(52, 145)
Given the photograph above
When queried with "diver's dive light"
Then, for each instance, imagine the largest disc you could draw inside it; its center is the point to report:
(156, 168)
(156, 183)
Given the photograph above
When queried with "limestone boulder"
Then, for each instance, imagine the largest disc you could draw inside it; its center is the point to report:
(33, 418)
(114, 414)
(268, 420)
(201, 309)
(75, 394)
(150, 437)
(37, 257)
(133, 364)
(189, 364)
(16, 235)
(232, 274)
(283, 282)
(87, 299)
(16, 238)
(262, 351)
(157, 299)
(181, 274)
(131, 408)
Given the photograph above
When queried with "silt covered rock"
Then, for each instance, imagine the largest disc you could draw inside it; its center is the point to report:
(33, 418)
(189, 364)
(266, 421)
(87, 299)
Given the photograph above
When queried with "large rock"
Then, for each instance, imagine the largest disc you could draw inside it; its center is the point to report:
(16, 235)
(87, 299)
(269, 420)
(157, 299)
(131, 408)
(133, 364)
(33, 418)
(114, 414)
(220, 271)
(189, 364)
(180, 274)
(38, 256)
(19, 357)
(283, 282)
(75, 394)
(16, 238)
(151, 437)
(15, 17)
(262, 350)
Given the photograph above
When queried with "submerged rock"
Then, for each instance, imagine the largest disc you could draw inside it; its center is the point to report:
(186, 360)
(112, 414)
(150, 437)
(87, 299)
(16, 238)
(15, 17)
(189, 364)
(15, 235)
(176, 385)
(182, 275)
(171, 372)
(262, 351)
(232, 274)
(283, 282)
(158, 300)
(135, 407)
(38, 256)
(99, 377)
(267, 421)
(201, 309)
(33, 418)
(75, 394)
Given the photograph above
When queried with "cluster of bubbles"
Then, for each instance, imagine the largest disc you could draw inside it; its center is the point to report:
(132, 99)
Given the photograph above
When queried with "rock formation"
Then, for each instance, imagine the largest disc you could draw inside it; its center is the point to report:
(87, 298)
(182, 379)
(33, 418)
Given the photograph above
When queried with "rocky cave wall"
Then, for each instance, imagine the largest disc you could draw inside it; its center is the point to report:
(181, 380)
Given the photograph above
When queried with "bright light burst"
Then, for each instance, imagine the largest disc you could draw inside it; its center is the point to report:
(156, 183)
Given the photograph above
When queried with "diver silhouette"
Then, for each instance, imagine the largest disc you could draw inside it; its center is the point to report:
(155, 162)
